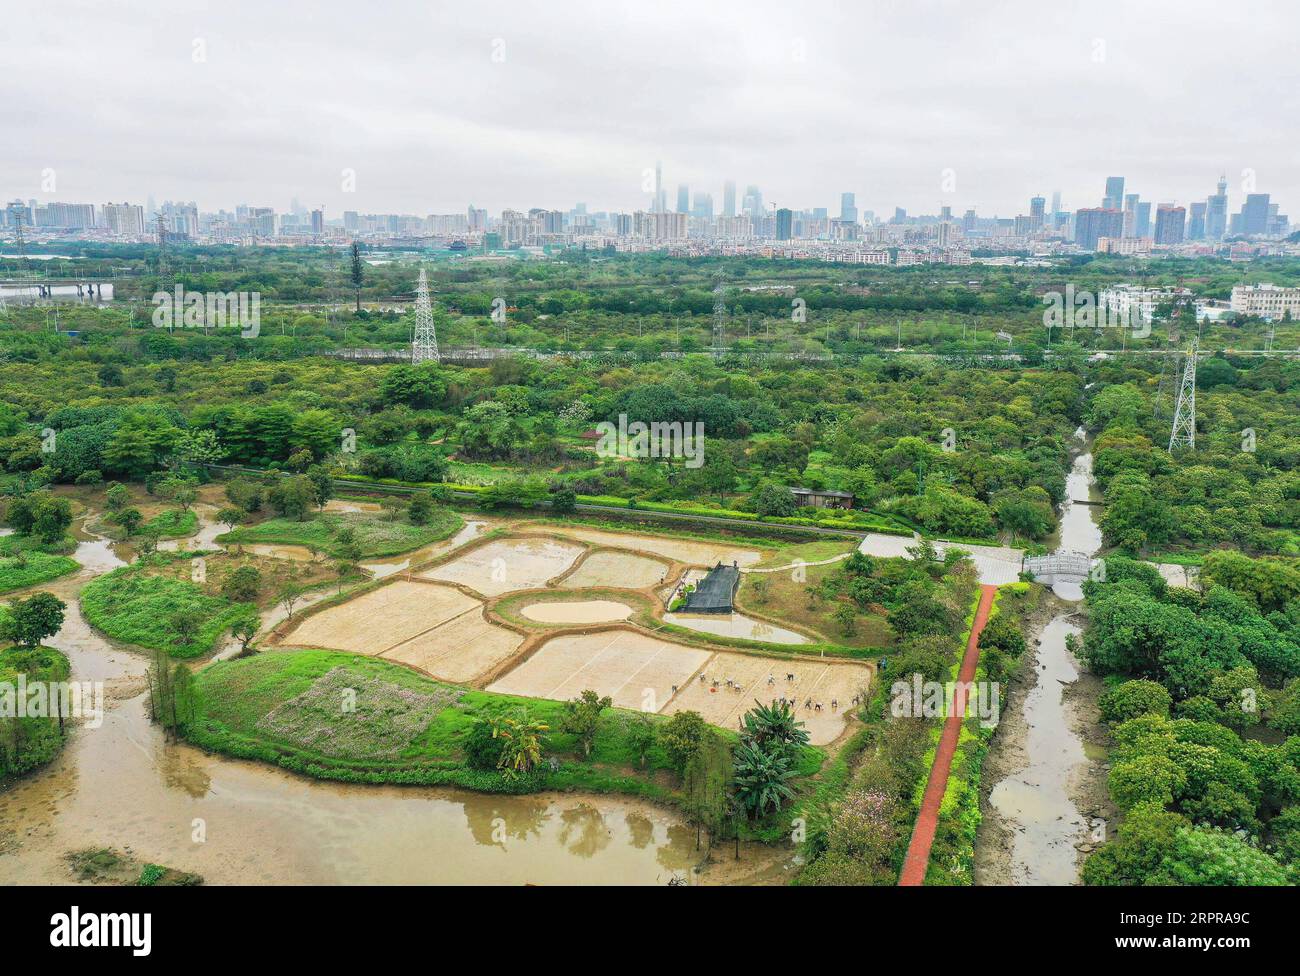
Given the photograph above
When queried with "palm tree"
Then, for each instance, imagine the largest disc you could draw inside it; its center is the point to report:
(521, 750)
(761, 778)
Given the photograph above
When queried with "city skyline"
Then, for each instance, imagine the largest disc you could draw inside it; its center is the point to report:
(507, 107)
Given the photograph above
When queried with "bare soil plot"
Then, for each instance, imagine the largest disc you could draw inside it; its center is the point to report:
(736, 625)
(577, 612)
(507, 564)
(461, 650)
(817, 680)
(382, 618)
(635, 670)
(686, 551)
(622, 569)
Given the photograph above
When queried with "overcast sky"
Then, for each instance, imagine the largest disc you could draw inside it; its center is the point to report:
(521, 104)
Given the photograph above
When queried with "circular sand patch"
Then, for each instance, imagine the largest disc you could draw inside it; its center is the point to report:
(577, 612)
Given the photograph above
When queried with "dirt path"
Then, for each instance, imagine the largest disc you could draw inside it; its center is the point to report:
(927, 820)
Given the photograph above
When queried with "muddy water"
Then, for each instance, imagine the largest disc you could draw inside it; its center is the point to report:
(122, 785)
(1036, 801)
(577, 612)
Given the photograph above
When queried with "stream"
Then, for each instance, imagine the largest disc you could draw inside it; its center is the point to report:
(1036, 801)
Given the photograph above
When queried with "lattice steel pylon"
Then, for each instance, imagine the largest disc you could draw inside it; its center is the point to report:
(1183, 433)
(719, 317)
(424, 345)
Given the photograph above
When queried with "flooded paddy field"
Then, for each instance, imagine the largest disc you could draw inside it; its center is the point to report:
(736, 625)
(619, 569)
(688, 551)
(504, 565)
(576, 612)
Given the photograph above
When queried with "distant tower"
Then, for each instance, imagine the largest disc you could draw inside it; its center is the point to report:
(425, 344)
(719, 317)
(1183, 433)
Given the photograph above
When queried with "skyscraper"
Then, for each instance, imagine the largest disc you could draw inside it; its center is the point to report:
(1170, 222)
(1037, 210)
(1196, 222)
(1216, 212)
(784, 224)
(1255, 214)
(1143, 226)
(848, 207)
(753, 202)
(729, 198)
(1130, 214)
(683, 198)
(1092, 223)
(660, 203)
(1114, 193)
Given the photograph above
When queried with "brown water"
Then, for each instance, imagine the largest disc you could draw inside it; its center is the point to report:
(122, 785)
(577, 612)
(1036, 800)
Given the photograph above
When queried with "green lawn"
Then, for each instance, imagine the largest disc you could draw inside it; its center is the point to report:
(32, 568)
(175, 523)
(374, 534)
(133, 605)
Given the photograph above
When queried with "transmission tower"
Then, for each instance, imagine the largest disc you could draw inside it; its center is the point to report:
(425, 344)
(1183, 433)
(719, 317)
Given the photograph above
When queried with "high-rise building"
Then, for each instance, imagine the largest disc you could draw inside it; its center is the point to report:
(1056, 201)
(1114, 193)
(1255, 214)
(729, 198)
(123, 219)
(1092, 223)
(1196, 222)
(1170, 224)
(703, 205)
(683, 198)
(753, 201)
(1143, 226)
(1037, 212)
(848, 207)
(659, 204)
(318, 222)
(1216, 212)
(1130, 214)
(784, 224)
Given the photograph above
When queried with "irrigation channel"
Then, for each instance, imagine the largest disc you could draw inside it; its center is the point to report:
(122, 785)
(1040, 739)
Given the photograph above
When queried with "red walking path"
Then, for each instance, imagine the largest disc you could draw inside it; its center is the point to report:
(918, 850)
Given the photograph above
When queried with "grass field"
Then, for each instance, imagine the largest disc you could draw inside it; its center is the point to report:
(374, 534)
(174, 523)
(33, 568)
(787, 600)
(135, 605)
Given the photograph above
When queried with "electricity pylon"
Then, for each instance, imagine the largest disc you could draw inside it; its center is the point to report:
(424, 346)
(1183, 433)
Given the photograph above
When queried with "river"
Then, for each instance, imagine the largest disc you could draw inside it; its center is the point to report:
(1035, 801)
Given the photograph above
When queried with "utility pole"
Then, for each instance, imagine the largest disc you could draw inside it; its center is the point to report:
(1183, 433)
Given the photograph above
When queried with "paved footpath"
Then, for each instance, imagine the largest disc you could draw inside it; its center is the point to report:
(927, 820)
